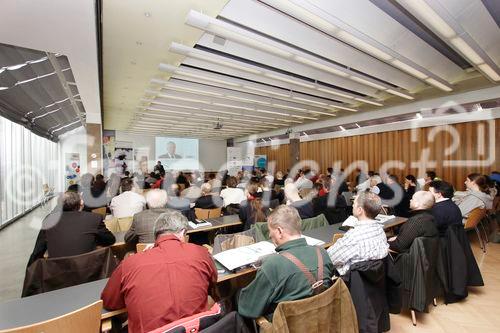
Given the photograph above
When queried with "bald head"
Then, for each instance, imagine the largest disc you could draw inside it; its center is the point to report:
(422, 200)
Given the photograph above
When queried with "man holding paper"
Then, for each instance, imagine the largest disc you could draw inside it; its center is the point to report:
(280, 278)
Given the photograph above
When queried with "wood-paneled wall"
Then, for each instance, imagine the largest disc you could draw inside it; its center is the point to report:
(406, 146)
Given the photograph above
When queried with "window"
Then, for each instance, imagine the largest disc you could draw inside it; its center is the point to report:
(27, 161)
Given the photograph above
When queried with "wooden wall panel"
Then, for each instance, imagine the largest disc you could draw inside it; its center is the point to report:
(377, 148)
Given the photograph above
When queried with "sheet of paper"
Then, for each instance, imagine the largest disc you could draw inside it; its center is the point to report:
(350, 221)
(245, 255)
(313, 241)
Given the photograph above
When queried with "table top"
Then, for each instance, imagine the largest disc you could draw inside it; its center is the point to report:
(218, 223)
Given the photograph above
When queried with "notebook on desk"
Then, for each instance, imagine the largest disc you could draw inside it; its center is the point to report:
(199, 223)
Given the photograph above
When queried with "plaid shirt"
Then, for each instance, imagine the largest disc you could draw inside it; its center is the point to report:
(366, 241)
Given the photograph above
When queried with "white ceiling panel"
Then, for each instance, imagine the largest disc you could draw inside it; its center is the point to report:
(266, 20)
(368, 19)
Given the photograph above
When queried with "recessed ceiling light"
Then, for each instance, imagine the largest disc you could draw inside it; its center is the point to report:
(147, 14)
(139, 43)
(133, 62)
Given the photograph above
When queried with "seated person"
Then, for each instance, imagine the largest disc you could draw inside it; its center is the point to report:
(232, 195)
(279, 279)
(192, 193)
(293, 198)
(420, 224)
(477, 195)
(141, 229)
(208, 200)
(445, 211)
(175, 201)
(168, 282)
(366, 241)
(68, 231)
(253, 209)
(128, 202)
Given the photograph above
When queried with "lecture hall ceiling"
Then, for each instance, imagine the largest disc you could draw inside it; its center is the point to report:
(183, 68)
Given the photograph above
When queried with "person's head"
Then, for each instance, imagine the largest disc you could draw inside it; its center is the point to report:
(429, 176)
(206, 189)
(284, 224)
(156, 198)
(366, 206)
(375, 179)
(330, 170)
(477, 182)
(127, 184)
(279, 175)
(70, 201)
(422, 200)
(158, 163)
(171, 222)
(171, 147)
(232, 182)
(174, 190)
(75, 188)
(99, 177)
(411, 180)
(392, 179)
(371, 173)
(127, 173)
(441, 189)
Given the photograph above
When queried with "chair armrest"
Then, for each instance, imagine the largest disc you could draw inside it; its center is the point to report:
(263, 323)
(209, 248)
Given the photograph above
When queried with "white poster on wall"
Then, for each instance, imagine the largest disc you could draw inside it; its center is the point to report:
(234, 162)
(72, 169)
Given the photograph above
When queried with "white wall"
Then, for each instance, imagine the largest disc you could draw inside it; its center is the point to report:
(212, 153)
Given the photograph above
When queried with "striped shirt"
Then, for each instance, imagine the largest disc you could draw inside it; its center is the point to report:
(366, 241)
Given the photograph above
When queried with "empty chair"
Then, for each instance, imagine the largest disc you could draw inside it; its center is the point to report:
(331, 311)
(202, 213)
(84, 320)
(101, 211)
(473, 220)
(223, 242)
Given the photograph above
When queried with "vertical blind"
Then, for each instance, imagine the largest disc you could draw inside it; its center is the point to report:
(27, 161)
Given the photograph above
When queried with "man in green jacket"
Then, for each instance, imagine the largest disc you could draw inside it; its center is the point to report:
(280, 279)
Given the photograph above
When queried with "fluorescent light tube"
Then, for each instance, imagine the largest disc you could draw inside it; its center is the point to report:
(431, 17)
(397, 93)
(320, 66)
(489, 71)
(366, 82)
(368, 101)
(438, 84)
(285, 79)
(361, 44)
(329, 91)
(466, 50)
(410, 70)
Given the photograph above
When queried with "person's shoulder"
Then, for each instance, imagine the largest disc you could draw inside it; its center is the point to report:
(197, 250)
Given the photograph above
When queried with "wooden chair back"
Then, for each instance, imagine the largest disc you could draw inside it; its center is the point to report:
(101, 211)
(207, 213)
(84, 320)
(475, 217)
(112, 224)
(140, 247)
(336, 237)
(124, 223)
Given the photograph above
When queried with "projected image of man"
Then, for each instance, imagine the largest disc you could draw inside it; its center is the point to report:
(170, 151)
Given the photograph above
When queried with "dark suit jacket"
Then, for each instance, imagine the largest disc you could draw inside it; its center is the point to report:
(446, 213)
(209, 202)
(420, 224)
(70, 233)
(141, 230)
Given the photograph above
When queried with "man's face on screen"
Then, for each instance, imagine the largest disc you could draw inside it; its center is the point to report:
(171, 148)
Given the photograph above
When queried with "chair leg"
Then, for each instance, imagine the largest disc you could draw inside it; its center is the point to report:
(481, 244)
(413, 318)
(434, 301)
(484, 229)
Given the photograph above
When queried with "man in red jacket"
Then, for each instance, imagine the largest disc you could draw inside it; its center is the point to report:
(163, 284)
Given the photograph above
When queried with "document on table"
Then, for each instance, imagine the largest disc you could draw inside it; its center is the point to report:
(351, 221)
(313, 241)
(381, 218)
(245, 255)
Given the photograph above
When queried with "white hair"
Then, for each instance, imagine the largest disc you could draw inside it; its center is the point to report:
(156, 198)
(206, 188)
(170, 222)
